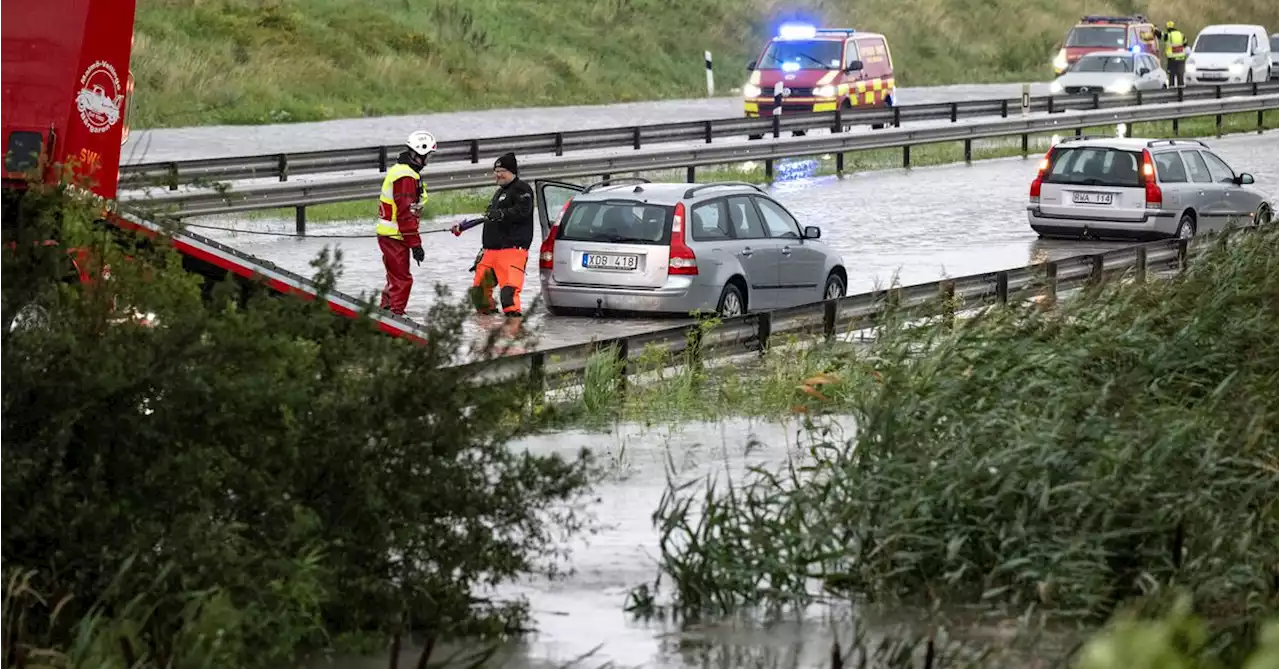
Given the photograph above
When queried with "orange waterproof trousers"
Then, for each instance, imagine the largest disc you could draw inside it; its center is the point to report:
(504, 267)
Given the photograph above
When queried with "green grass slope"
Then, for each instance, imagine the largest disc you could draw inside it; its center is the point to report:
(202, 62)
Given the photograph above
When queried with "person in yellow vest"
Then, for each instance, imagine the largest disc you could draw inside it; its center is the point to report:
(399, 212)
(1175, 53)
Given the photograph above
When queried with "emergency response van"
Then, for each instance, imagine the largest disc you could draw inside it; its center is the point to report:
(1106, 33)
(820, 70)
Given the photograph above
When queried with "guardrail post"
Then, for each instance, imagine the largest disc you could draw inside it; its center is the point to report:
(475, 151)
(840, 163)
(906, 156)
(948, 294)
(1095, 268)
(173, 176)
(954, 112)
(537, 372)
(382, 159)
(837, 122)
(768, 168)
(1002, 288)
(764, 327)
(1050, 104)
(1217, 92)
(829, 319)
(1051, 281)
(1254, 92)
(1182, 255)
(1004, 109)
(1080, 132)
(283, 167)
(559, 144)
(1141, 264)
(706, 131)
(1259, 120)
(300, 220)
(1096, 101)
(968, 150)
(1175, 126)
(689, 174)
(1181, 92)
(1025, 139)
(897, 117)
(777, 126)
(635, 138)
(1139, 92)
(1217, 123)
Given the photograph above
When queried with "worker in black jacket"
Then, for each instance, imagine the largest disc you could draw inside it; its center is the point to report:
(508, 233)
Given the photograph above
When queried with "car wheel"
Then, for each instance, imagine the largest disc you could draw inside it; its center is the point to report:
(1263, 215)
(732, 302)
(835, 287)
(1186, 227)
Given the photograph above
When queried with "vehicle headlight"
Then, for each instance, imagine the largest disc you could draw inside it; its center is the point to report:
(825, 91)
(750, 91)
(1121, 87)
(1055, 88)
(1060, 60)
(1237, 68)
(1191, 67)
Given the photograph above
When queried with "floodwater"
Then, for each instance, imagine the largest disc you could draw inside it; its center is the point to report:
(922, 224)
(236, 140)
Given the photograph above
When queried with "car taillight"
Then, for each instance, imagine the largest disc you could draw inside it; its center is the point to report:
(682, 260)
(1035, 185)
(1155, 197)
(547, 252)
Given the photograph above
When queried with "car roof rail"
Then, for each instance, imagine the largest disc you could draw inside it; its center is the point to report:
(720, 184)
(1175, 142)
(1102, 18)
(1085, 138)
(616, 182)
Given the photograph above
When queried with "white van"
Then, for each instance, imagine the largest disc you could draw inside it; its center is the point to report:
(1229, 54)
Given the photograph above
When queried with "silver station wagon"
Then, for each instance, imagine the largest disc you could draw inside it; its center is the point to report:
(678, 248)
(1118, 188)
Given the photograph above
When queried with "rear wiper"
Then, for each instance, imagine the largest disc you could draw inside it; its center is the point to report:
(621, 239)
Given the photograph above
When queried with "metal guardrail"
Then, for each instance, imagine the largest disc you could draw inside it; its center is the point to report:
(282, 165)
(270, 196)
(564, 366)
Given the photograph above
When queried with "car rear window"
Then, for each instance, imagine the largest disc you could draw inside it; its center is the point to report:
(1222, 43)
(1094, 166)
(1096, 36)
(618, 221)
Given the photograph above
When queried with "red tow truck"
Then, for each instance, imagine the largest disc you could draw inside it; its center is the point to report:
(66, 93)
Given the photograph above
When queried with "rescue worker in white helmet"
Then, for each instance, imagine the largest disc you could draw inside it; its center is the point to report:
(399, 212)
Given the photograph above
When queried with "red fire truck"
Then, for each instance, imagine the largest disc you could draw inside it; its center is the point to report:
(66, 91)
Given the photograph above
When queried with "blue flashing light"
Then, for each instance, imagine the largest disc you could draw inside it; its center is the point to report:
(1136, 48)
(797, 31)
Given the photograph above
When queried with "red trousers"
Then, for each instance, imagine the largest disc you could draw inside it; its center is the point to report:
(395, 257)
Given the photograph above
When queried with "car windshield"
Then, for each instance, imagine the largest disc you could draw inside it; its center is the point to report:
(1104, 64)
(1096, 36)
(802, 55)
(1222, 43)
(1094, 166)
(619, 221)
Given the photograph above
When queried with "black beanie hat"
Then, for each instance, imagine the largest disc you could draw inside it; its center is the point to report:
(508, 162)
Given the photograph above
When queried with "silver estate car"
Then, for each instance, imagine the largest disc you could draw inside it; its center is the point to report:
(678, 248)
(1145, 189)
(1117, 72)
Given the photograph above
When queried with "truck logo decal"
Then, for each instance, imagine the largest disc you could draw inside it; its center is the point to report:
(99, 100)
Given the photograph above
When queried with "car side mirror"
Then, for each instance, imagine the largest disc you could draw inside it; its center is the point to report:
(853, 66)
(1244, 179)
(1144, 71)
(812, 232)
(751, 66)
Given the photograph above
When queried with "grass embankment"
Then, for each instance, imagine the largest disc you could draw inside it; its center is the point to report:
(265, 61)
(1050, 461)
(470, 201)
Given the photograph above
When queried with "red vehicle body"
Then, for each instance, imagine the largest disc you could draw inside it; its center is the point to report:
(820, 70)
(1106, 33)
(66, 91)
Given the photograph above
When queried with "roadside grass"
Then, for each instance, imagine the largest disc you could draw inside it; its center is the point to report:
(270, 61)
(473, 201)
(1032, 464)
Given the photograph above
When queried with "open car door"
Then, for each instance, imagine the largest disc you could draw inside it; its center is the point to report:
(553, 197)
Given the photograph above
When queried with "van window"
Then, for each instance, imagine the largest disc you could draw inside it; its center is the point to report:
(620, 221)
(1169, 168)
(817, 54)
(1094, 166)
(1221, 43)
(1094, 36)
(874, 56)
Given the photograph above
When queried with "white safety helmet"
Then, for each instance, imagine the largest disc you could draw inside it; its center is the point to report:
(422, 143)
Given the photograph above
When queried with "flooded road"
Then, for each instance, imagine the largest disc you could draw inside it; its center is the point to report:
(163, 144)
(923, 224)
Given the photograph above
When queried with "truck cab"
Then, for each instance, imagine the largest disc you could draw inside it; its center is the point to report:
(1106, 33)
(819, 70)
